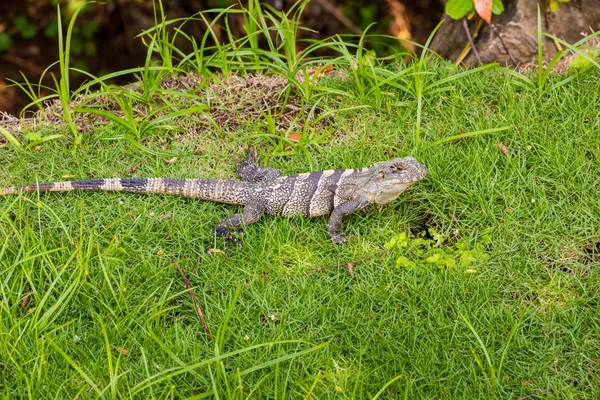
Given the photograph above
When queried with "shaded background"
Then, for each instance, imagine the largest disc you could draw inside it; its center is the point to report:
(104, 38)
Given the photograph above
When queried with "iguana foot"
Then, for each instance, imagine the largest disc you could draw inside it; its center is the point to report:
(229, 236)
(339, 239)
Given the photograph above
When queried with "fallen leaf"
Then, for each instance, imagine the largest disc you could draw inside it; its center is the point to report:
(67, 176)
(322, 71)
(170, 160)
(509, 210)
(439, 103)
(484, 9)
(351, 269)
(120, 350)
(164, 217)
(295, 137)
(25, 302)
(503, 148)
(38, 147)
(460, 139)
(132, 169)
(214, 251)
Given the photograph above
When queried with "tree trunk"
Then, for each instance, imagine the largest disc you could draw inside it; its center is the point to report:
(512, 38)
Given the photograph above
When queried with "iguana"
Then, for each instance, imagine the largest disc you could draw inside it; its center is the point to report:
(264, 190)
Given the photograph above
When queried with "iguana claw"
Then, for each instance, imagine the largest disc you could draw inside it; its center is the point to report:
(339, 239)
(228, 236)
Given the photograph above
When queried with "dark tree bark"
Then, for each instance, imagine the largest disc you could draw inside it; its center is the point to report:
(517, 28)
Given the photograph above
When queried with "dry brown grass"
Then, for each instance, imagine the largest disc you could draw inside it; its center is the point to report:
(233, 100)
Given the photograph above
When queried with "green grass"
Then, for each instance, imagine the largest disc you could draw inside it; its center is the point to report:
(98, 272)
(92, 304)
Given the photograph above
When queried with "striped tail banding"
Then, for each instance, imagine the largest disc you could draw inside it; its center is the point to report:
(225, 191)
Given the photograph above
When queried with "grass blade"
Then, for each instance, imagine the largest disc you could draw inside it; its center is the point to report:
(11, 139)
(469, 134)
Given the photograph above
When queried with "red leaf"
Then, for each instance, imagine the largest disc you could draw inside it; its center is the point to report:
(295, 137)
(484, 9)
(25, 302)
(328, 68)
(322, 71)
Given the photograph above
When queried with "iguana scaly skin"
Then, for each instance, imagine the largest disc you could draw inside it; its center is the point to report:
(263, 190)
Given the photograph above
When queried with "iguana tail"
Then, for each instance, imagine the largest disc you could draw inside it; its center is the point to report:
(223, 191)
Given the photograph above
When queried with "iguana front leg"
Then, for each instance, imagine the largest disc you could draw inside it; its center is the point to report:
(231, 225)
(251, 172)
(335, 220)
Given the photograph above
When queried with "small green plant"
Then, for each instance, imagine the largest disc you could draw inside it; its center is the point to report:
(150, 107)
(430, 248)
(62, 84)
(61, 89)
(553, 5)
(135, 125)
(10, 139)
(299, 137)
(583, 63)
(158, 37)
(415, 80)
(458, 9)
(366, 70)
(34, 138)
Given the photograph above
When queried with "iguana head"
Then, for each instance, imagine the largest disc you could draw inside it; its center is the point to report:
(385, 181)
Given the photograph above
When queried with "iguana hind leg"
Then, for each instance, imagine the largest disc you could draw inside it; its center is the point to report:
(251, 172)
(230, 226)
